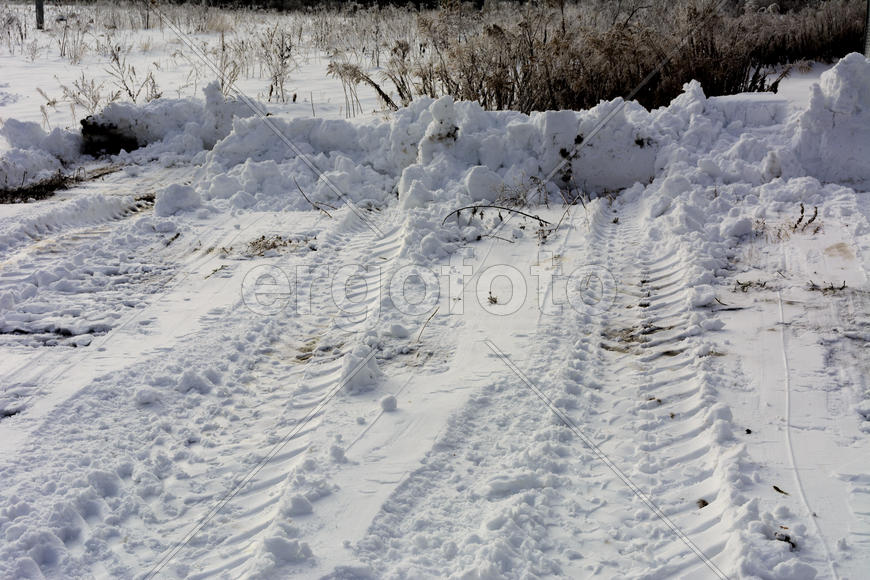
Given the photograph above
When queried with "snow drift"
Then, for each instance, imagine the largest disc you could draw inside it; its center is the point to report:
(832, 137)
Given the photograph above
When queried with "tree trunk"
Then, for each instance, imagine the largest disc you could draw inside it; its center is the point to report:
(40, 14)
(867, 32)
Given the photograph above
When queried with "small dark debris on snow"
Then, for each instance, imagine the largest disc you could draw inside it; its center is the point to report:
(216, 270)
(776, 489)
(263, 244)
(652, 329)
(828, 289)
(702, 503)
(749, 431)
(785, 538)
(10, 412)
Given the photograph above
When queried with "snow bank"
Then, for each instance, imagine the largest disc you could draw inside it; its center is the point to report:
(440, 150)
(832, 137)
(34, 155)
(21, 168)
(433, 150)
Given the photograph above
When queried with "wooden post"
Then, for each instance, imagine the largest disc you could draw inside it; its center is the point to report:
(40, 14)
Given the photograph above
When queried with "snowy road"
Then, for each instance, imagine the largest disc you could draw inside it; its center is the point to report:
(202, 376)
(503, 486)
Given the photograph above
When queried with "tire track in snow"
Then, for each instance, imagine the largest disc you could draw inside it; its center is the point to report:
(788, 428)
(646, 345)
(526, 503)
(41, 370)
(455, 502)
(261, 510)
(202, 476)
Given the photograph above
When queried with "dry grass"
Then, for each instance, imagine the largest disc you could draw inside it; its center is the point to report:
(35, 191)
(509, 55)
(544, 61)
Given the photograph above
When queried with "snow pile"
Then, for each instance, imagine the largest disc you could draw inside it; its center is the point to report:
(175, 128)
(832, 137)
(389, 404)
(438, 155)
(21, 168)
(262, 165)
(623, 149)
(170, 130)
(432, 150)
(475, 155)
(59, 143)
(34, 155)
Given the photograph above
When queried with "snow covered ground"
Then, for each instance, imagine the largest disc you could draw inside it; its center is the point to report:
(270, 347)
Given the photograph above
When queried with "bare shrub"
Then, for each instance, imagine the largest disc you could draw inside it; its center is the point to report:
(569, 55)
(399, 71)
(88, 94)
(352, 75)
(276, 52)
(128, 81)
(13, 28)
(71, 39)
(228, 66)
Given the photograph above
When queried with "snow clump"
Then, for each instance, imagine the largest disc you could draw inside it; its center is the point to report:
(359, 373)
(176, 198)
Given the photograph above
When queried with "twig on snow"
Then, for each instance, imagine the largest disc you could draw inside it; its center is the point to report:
(431, 316)
(540, 220)
(314, 205)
